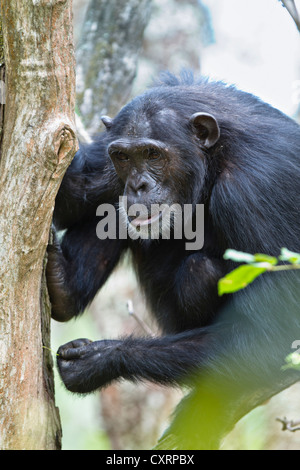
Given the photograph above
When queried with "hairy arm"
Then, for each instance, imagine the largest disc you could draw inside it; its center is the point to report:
(78, 268)
(89, 181)
(245, 344)
(80, 265)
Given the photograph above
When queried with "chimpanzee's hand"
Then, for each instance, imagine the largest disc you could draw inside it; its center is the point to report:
(85, 366)
(63, 305)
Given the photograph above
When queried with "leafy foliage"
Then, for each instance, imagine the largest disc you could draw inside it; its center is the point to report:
(254, 266)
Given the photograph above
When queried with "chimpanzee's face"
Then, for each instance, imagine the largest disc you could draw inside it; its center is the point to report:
(157, 159)
(143, 165)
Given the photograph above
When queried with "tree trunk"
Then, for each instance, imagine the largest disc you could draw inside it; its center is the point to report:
(2, 86)
(107, 56)
(38, 145)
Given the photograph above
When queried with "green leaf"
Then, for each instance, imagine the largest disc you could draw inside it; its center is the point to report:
(239, 256)
(239, 278)
(292, 361)
(290, 256)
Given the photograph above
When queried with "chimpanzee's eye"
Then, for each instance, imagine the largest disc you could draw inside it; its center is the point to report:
(153, 154)
(122, 157)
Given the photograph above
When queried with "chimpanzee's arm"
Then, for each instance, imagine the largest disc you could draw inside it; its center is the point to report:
(78, 268)
(87, 183)
(86, 366)
(241, 345)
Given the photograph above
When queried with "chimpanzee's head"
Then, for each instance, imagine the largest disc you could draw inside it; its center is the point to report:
(159, 145)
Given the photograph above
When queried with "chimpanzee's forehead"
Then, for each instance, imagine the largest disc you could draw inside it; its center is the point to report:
(144, 121)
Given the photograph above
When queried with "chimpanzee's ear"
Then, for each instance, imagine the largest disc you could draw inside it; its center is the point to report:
(107, 121)
(206, 128)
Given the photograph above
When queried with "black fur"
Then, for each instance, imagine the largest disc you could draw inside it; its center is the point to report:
(249, 182)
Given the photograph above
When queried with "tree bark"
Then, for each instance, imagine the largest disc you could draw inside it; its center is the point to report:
(38, 145)
(107, 56)
(2, 85)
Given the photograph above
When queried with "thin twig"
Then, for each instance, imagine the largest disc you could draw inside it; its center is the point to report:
(290, 426)
(53, 352)
(292, 9)
(142, 324)
(284, 267)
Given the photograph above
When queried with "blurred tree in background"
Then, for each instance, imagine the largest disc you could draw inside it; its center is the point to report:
(107, 54)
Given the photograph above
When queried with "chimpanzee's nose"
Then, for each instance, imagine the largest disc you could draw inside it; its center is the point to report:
(137, 187)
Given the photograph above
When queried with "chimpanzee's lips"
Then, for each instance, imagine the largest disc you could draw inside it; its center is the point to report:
(142, 221)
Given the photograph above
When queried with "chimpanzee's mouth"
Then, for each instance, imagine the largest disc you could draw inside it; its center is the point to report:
(141, 221)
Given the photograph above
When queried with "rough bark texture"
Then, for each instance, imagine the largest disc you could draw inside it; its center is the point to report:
(107, 56)
(2, 85)
(38, 144)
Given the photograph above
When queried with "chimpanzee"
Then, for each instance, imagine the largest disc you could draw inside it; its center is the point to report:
(186, 141)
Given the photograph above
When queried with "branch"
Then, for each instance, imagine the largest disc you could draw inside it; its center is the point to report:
(292, 9)
(289, 425)
(142, 324)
